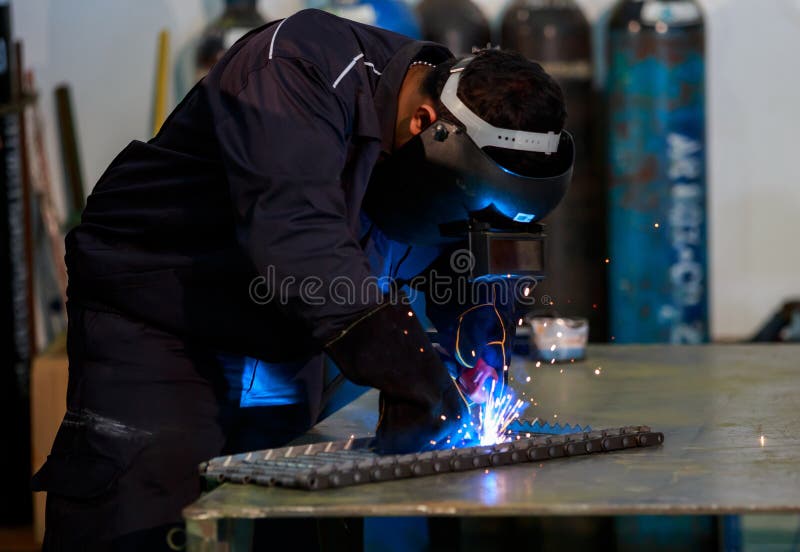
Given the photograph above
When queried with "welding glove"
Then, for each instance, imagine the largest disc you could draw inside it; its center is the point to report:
(474, 321)
(420, 405)
(482, 350)
(476, 341)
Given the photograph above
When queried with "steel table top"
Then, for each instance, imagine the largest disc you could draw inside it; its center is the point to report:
(729, 413)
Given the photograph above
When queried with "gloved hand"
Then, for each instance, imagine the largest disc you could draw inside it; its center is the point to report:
(476, 382)
(481, 344)
(388, 349)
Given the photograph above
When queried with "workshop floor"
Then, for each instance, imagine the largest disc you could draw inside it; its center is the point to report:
(17, 539)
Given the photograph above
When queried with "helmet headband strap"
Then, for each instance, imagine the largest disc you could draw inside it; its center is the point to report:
(484, 134)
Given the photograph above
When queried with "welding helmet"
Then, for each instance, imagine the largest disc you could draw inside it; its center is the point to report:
(444, 177)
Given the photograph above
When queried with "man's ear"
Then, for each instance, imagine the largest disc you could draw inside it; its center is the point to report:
(424, 116)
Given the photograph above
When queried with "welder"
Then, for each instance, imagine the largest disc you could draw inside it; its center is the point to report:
(212, 273)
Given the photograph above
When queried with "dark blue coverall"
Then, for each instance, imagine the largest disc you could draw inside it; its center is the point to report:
(264, 164)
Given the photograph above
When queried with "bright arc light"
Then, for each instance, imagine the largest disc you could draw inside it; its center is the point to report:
(496, 414)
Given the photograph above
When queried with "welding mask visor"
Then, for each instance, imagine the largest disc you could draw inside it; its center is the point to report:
(446, 176)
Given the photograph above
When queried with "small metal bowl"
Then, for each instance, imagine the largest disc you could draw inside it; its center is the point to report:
(558, 338)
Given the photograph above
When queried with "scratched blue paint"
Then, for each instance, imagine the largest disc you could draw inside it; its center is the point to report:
(658, 277)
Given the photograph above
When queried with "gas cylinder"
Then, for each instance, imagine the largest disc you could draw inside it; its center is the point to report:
(392, 15)
(658, 279)
(458, 24)
(556, 34)
(239, 17)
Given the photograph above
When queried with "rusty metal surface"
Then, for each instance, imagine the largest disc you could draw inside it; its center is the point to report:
(713, 404)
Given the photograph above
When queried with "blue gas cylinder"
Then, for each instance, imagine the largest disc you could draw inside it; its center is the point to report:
(658, 279)
(392, 15)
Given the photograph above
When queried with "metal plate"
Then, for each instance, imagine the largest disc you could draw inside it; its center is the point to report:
(714, 403)
(339, 464)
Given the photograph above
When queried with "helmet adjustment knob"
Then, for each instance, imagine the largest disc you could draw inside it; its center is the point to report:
(440, 133)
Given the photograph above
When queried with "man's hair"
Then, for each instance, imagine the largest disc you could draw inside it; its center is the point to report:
(508, 91)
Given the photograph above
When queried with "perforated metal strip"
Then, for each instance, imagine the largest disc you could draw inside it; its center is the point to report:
(344, 463)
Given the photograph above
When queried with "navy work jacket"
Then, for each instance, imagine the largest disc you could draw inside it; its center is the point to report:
(260, 172)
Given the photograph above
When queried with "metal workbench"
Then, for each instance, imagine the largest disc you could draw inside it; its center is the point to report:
(729, 414)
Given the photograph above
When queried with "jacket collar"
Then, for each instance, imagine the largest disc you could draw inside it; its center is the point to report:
(387, 91)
